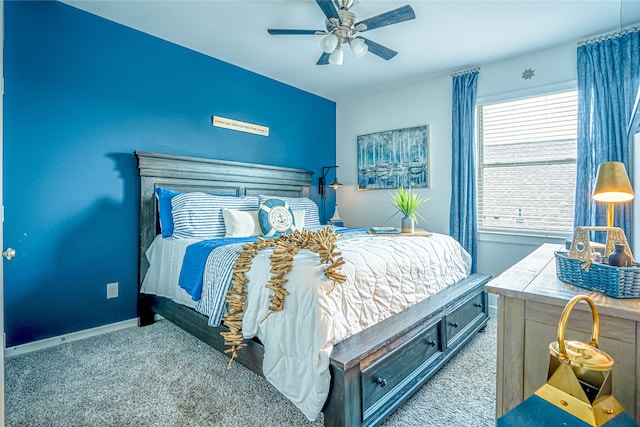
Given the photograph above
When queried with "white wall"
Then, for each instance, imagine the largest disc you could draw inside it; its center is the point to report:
(429, 102)
(425, 103)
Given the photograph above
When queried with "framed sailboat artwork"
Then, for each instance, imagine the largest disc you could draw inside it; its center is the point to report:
(394, 158)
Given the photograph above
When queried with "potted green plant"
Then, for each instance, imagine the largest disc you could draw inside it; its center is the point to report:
(407, 203)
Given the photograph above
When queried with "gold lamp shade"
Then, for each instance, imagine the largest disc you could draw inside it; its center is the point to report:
(612, 186)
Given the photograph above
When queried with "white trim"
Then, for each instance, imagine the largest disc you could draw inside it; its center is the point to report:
(526, 93)
(520, 239)
(74, 336)
(2, 324)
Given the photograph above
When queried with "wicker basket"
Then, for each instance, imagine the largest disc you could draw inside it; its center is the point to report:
(616, 282)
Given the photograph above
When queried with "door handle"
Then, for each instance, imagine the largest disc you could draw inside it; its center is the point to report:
(9, 254)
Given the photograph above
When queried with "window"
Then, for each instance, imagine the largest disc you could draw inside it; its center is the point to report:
(527, 165)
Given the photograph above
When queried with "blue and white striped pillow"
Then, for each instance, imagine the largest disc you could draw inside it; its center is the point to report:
(311, 215)
(199, 215)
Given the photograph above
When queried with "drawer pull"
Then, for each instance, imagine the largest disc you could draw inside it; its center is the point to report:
(454, 324)
(478, 305)
(381, 382)
(432, 343)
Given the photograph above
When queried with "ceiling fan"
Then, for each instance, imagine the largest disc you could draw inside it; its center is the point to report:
(342, 28)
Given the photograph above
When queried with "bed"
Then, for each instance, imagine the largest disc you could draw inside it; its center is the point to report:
(373, 371)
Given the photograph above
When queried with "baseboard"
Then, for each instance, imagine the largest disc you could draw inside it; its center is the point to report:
(74, 336)
(493, 304)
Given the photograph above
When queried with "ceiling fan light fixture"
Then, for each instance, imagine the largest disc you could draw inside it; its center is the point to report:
(329, 43)
(342, 25)
(358, 47)
(336, 56)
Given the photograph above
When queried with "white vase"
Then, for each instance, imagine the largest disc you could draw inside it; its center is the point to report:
(336, 215)
(408, 225)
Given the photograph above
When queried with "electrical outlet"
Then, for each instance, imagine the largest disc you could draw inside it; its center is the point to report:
(112, 290)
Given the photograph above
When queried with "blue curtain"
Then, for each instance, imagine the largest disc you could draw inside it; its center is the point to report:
(463, 222)
(608, 80)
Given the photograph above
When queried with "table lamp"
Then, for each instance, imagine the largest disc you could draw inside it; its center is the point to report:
(322, 189)
(336, 215)
(612, 186)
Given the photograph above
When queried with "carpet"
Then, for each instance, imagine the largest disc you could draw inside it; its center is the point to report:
(161, 376)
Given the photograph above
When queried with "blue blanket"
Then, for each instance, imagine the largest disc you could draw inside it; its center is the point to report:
(352, 230)
(195, 259)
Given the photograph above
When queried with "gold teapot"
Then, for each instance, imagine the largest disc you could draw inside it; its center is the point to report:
(580, 377)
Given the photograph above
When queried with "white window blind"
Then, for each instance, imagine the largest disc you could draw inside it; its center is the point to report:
(527, 164)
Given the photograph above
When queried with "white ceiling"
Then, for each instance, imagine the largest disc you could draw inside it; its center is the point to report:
(445, 36)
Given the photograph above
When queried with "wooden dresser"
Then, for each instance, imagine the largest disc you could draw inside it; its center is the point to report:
(531, 300)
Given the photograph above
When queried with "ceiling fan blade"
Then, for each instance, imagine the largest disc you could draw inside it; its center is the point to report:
(288, 32)
(401, 14)
(377, 49)
(328, 9)
(324, 59)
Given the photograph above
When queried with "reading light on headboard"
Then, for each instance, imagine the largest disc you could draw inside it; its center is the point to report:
(612, 186)
(322, 183)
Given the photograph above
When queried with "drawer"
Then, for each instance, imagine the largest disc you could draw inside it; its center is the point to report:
(383, 377)
(463, 316)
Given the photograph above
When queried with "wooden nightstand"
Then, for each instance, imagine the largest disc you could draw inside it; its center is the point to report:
(531, 300)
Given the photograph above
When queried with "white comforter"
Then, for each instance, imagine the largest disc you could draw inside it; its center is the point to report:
(385, 276)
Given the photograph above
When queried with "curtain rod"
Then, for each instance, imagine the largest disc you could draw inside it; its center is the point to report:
(604, 37)
(466, 71)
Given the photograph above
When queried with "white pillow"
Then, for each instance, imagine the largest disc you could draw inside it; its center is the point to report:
(298, 219)
(240, 223)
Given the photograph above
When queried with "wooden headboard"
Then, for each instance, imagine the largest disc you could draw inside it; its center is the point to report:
(183, 173)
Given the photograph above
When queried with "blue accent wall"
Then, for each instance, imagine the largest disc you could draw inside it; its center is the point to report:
(81, 95)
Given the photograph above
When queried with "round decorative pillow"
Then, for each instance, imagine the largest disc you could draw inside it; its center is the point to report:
(275, 217)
